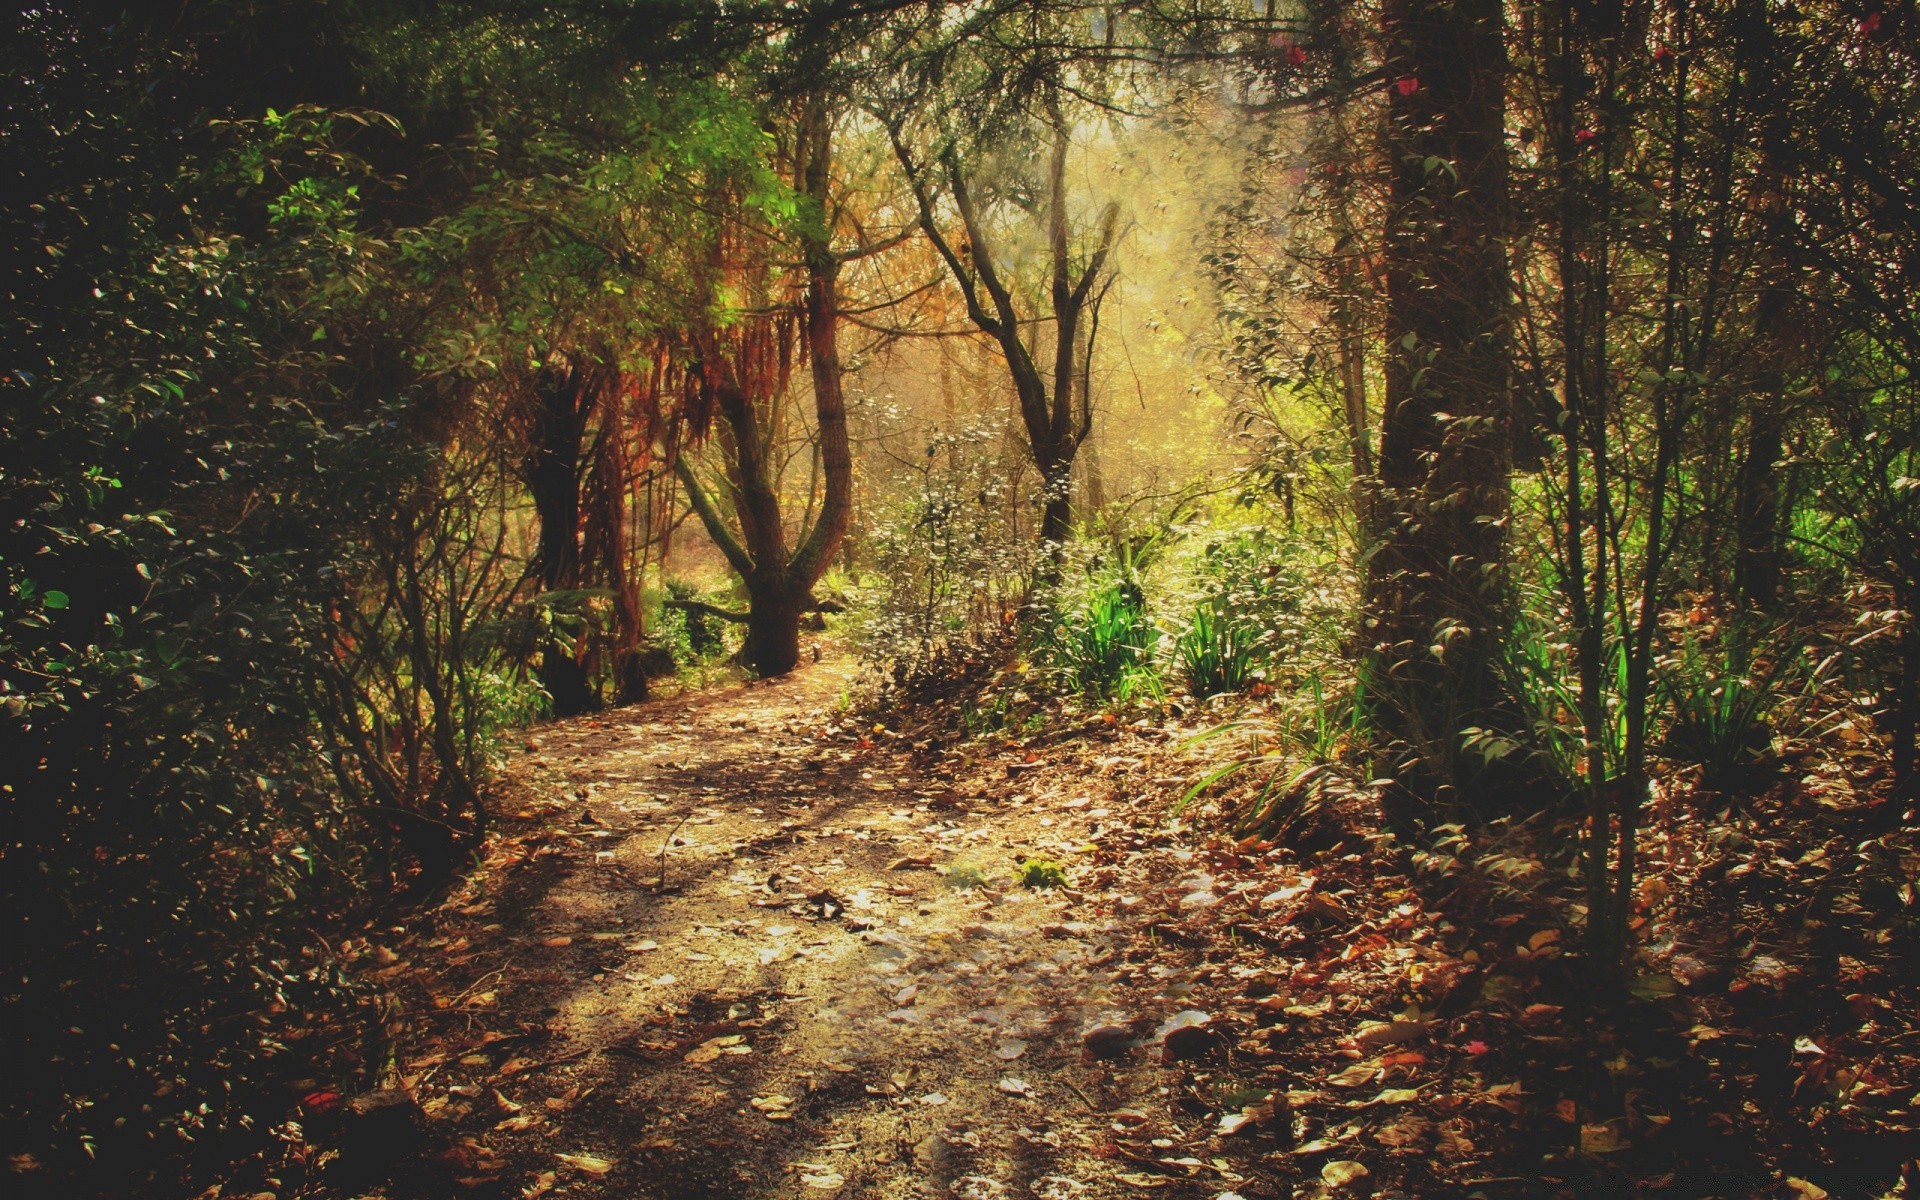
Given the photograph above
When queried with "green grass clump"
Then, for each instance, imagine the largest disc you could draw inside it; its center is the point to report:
(1042, 873)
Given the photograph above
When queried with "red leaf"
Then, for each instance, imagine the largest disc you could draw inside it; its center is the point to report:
(320, 1102)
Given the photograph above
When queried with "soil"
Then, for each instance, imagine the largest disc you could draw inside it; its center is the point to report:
(744, 943)
(844, 985)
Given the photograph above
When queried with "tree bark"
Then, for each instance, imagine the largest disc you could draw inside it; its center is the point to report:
(562, 400)
(1435, 594)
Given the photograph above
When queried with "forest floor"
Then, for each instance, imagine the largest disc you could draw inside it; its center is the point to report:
(847, 985)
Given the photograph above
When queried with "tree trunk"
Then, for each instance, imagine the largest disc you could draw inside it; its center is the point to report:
(562, 401)
(1758, 520)
(1055, 426)
(1435, 602)
(772, 647)
(823, 356)
(1904, 713)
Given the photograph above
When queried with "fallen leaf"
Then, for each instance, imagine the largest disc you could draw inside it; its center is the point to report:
(776, 1108)
(825, 1181)
(1016, 1087)
(711, 1049)
(541, 1185)
(557, 942)
(1602, 1139)
(1342, 1172)
(587, 1164)
(1010, 1049)
(1141, 1179)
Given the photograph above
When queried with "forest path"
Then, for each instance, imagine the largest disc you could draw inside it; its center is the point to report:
(817, 1003)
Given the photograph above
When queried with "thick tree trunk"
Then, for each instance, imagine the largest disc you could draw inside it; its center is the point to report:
(1435, 596)
(562, 401)
(779, 585)
(610, 525)
(772, 647)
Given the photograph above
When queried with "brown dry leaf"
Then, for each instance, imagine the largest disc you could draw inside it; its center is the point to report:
(1602, 1139)
(557, 942)
(1374, 1034)
(541, 1185)
(1408, 1131)
(1141, 1179)
(588, 1164)
(1342, 1172)
(1354, 1076)
(776, 1108)
(711, 1049)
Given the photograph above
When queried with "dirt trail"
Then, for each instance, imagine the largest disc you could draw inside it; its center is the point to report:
(841, 989)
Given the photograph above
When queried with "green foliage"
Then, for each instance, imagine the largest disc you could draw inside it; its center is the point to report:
(694, 638)
(1100, 646)
(1543, 682)
(1042, 873)
(1324, 726)
(951, 567)
(1722, 696)
(964, 877)
(1216, 651)
(261, 618)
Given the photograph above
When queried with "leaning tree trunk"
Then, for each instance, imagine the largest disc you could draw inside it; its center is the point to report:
(1435, 604)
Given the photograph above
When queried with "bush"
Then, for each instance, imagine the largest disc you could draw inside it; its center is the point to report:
(1101, 647)
(1216, 651)
(1721, 700)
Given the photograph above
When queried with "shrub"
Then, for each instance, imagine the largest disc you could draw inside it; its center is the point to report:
(1216, 651)
(1721, 700)
(1101, 648)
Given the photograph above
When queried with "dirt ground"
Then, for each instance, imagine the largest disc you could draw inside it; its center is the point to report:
(842, 987)
(742, 943)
